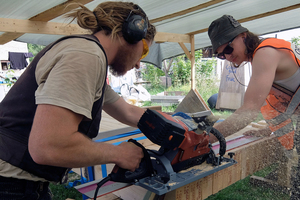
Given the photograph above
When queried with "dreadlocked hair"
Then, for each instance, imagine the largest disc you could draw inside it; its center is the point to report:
(110, 18)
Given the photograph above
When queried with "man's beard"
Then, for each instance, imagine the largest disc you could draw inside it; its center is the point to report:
(120, 65)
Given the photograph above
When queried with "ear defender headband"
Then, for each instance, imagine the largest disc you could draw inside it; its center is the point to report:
(135, 27)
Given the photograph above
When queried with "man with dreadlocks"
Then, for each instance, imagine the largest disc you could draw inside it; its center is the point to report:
(51, 113)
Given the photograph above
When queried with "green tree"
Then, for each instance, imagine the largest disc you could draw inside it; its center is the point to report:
(181, 71)
(34, 49)
(152, 74)
(204, 67)
(296, 40)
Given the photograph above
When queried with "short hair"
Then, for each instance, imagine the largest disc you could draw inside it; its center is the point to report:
(110, 17)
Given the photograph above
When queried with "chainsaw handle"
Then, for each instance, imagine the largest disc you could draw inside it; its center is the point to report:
(145, 169)
(220, 138)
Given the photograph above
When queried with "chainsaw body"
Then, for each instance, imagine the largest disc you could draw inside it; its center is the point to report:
(183, 141)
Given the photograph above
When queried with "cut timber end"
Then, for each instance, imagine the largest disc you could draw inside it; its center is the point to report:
(258, 125)
(192, 103)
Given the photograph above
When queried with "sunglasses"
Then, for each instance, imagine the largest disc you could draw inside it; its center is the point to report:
(227, 50)
(145, 49)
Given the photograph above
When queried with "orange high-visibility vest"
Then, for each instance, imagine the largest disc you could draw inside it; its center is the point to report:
(281, 103)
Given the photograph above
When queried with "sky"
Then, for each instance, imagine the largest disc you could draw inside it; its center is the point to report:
(286, 35)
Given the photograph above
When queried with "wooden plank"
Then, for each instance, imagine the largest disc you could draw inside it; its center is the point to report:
(6, 37)
(185, 50)
(192, 103)
(45, 16)
(192, 58)
(232, 86)
(259, 125)
(215, 182)
(28, 26)
(266, 14)
(171, 37)
(166, 100)
(201, 99)
(230, 100)
(260, 153)
(206, 187)
(172, 98)
(219, 180)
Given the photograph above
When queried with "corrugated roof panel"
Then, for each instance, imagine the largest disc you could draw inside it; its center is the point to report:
(25, 9)
(256, 11)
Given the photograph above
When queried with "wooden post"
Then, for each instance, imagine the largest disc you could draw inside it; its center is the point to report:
(191, 56)
(193, 81)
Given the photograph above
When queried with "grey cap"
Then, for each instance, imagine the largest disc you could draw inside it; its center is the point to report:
(224, 29)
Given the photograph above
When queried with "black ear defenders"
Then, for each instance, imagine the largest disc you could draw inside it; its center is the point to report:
(135, 27)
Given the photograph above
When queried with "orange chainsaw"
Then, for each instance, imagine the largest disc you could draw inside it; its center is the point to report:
(184, 142)
(183, 139)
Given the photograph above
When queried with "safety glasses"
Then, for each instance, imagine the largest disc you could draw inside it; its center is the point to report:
(145, 49)
(227, 50)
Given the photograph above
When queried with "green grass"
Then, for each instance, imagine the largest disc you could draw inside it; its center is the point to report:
(64, 191)
(244, 190)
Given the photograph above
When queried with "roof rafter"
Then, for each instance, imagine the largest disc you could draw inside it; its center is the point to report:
(186, 11)
(18, 26)
(274, 12)
(39, 27)
(45, 16)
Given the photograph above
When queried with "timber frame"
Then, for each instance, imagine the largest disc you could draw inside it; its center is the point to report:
(39, 24)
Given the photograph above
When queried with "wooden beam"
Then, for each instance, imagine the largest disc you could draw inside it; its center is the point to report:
(9, 36)
(171, 37)
(192, 103)
(250, 158)
(45, 16)
(193, 70)
(191, 56)
(16, 27)
(274, 12)
(186, 51)
(186, 11)
(28, 26)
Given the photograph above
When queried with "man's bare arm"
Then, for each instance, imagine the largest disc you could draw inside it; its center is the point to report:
(54, 140)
